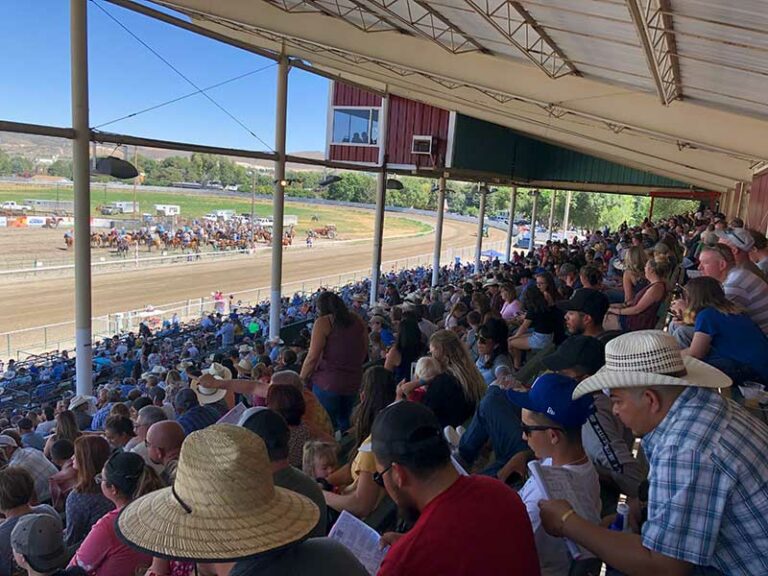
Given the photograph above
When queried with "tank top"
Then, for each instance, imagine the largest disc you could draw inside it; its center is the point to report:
(647, 319)
(340, 369)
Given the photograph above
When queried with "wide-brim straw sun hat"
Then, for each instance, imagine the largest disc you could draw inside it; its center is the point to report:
(207, 395)
(223, 505)
(650, 358)
(244, 366)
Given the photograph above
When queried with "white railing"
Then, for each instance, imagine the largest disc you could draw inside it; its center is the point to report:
(60, 336)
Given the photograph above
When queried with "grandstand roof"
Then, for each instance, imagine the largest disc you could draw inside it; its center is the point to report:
(674, 87)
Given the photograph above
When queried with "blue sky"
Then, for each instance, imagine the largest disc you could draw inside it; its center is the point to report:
(125, 77)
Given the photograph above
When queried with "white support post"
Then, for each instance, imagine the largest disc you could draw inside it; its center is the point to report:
(534, 210)
(480, 221)
(278, 202)
(510, 226)
(567, 215)
(81, 177)
(381, 200)
(438, 231)
(552, 213)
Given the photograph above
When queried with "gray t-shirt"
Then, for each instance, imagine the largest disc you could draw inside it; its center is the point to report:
(6, 552)
(316, 556)
(295, 480)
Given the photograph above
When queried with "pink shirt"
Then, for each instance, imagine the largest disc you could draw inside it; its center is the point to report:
(102, 553)
(510, 310)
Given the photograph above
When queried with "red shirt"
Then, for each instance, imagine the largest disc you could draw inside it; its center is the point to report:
(477, 526)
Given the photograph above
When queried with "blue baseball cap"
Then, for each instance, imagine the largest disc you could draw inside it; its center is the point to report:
(551, 395)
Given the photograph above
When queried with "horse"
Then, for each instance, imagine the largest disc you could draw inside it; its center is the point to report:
(68, 240)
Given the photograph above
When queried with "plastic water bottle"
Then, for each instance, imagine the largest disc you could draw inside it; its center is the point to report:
(619, 524)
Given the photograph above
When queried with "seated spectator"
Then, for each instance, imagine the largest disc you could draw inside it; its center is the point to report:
(30, 438)
(606, 440)
(511, 306)
(741, 286)
(118, 430)
(272, 428)
(379, 324)
(585, 312)
(707, 466)
(496, 422)
(405, 351)
(456, 316)
(545, 282)
(591, 277)
(85, 503)
(358, 493)
(66, 429)
(414, 466)
(633, 279)
(221, 399)
(426, 370)
(492, 348)
(100, 418)
(163, 442)
(31, 460)
(17, 491)
(724, 336)
(319, 460)
(80, 405)
(38, 547)
(187, 522)
(740, 243)
(147, 416)
(124, 478)
(289, 403)
(759, 252)
(538, 328)
(552, 424)
(65, 479)
(46, 426)
(163, 399)
(641, 313)
(191, 415)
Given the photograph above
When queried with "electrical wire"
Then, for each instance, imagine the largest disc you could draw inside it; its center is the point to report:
(185, 96)
(181, 74)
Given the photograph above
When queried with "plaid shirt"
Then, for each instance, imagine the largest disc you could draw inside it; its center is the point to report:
(197, 418)
(38, 466)
(708, 498)
(100, 418)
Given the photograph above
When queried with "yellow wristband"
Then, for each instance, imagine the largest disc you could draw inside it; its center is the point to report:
(566, 515)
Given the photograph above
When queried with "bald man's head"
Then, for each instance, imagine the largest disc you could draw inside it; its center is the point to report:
(164, 440)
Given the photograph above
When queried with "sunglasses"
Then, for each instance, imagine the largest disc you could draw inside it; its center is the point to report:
(98, 479)
(378, 477)
(528, 429)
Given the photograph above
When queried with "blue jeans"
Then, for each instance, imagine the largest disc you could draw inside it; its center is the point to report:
(338, 406)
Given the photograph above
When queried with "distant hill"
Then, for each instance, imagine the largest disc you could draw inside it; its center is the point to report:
(36, 147)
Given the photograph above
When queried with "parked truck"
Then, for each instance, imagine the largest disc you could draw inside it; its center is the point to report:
(121, 207)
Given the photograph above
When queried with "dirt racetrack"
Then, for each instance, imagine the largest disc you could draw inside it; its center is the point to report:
(30, 302)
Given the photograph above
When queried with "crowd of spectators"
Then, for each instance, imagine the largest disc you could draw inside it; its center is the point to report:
(435, 416)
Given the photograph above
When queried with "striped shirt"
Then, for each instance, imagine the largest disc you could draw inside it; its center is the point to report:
(708, 497)
(750, 292)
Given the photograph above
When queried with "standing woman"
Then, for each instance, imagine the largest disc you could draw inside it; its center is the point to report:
(85, 503)
(333, 368)
(124, 478)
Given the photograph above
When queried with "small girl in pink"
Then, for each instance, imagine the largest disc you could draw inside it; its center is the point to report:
(125, 477)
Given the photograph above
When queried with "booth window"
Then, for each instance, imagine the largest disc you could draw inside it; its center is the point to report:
(356, 126)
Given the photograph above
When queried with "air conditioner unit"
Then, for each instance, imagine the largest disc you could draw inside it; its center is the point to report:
(422, 145)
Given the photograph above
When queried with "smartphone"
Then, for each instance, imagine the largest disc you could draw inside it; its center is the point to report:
(413, 370)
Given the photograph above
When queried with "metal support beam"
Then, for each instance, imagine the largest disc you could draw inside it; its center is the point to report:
(81, 175)
(381, 200)
(552, 213)
(650, 208)
(521, 30)
(438, 231)
(534, 210)
(511, 224)
(278, 201)
(654, 27)
(567, 215)
(480, 223)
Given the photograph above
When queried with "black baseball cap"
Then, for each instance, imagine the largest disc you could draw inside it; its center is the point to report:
(589, 301)
(579, 351)
(405, 432)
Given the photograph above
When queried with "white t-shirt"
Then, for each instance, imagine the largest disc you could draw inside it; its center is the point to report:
(553, 553)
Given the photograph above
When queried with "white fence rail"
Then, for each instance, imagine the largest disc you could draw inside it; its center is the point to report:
(60, 336)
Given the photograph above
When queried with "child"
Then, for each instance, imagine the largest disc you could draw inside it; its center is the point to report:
(319, 461)
(377, 350)
(427, 368)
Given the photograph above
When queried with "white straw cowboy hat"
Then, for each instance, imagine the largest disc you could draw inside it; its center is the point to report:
(210, 395)
(78, 400)
(181, 366)
(244, 366)
(223, 505)
(244, 348)
(650, 358)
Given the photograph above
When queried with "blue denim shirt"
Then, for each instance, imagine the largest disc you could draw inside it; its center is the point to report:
(497, 420)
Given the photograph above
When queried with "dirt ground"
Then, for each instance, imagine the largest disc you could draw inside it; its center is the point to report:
(30, 302)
